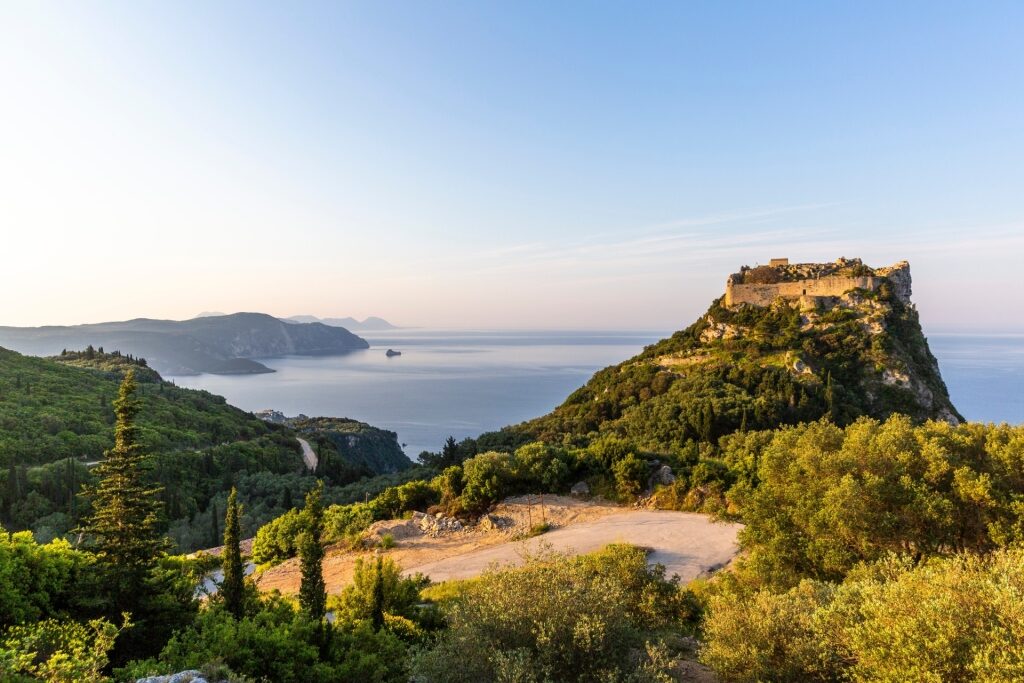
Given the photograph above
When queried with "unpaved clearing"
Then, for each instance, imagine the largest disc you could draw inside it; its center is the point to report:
(688, 544)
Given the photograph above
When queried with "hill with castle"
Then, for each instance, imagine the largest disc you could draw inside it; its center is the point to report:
(785, 343)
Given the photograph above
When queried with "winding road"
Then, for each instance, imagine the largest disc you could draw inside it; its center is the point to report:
(308, 454)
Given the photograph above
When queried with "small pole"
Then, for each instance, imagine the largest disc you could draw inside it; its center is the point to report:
(543, 517)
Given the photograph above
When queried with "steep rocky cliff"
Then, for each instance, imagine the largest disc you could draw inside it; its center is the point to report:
(859, 352)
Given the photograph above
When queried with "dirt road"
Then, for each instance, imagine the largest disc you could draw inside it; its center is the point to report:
(307, 454)
(687, 544)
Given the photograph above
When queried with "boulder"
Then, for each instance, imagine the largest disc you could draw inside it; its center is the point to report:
(663, 475)
(436, 526)
(190, 676)
(580, 488)
(493, 523)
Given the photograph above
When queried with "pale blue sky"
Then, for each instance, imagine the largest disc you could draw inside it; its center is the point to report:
(568, 164)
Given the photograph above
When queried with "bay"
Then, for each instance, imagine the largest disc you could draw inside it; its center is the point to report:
(445, 383)
(463, 383)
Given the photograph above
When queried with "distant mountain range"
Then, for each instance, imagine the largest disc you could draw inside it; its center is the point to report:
(218, 344)
(371, 323)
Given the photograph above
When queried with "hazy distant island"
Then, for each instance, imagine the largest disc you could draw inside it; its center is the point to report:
(217, 344)
(369, 324)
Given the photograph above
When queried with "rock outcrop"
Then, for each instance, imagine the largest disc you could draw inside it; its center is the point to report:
(786, 343)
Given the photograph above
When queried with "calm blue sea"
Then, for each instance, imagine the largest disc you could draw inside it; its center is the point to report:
(464, 383)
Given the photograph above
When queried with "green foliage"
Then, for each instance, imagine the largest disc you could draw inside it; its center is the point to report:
(557, 618)
(828, 498)
(277, 643)
(39, 581)
(378, 589)
(350, 450)
(232, 588)
(55, 415)
(953, 619)
(688, 388)
(630, 475)
(312, 592)
(58, 651)
(123, 527)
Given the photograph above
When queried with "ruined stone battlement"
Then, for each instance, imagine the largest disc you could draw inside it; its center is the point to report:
(780, 280)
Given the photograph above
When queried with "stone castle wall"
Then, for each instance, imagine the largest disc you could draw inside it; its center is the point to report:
(764, 295)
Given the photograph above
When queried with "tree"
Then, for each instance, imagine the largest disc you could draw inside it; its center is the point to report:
(377, 596)
(214, 529)
(123, 528)
(312, 591)
(11, 496)
(233, 586)
(378, 589)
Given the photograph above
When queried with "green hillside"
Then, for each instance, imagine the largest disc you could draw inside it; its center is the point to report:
(56, 420)
(749, 367)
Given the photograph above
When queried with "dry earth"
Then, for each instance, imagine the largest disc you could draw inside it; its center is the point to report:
(688, 544)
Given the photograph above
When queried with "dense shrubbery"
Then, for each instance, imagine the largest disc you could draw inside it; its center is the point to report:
(954, 619)
(275, 642)
(827, 498)
(559, 619)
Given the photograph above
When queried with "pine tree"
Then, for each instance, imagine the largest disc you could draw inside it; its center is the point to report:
(123, 527)
(312, 592)
(233, 586)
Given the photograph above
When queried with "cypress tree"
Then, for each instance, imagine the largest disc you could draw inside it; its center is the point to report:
(123, 527)
(233, 586)
(830, 397)
(377, 598)
(214, 529)
(11, 496)
(312, 591)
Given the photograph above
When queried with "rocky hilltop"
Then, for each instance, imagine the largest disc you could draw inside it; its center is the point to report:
(368, 450)
(219, 344)
(785, 343)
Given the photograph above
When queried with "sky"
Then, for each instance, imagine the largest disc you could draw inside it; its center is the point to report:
(502, 164)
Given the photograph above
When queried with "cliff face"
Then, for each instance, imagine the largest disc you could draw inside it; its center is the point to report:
(852, 352)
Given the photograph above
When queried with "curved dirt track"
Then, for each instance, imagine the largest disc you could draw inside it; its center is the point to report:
(688, 544)
(308, 454)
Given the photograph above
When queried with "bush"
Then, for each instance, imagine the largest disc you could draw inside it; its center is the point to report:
(954, 619)
(378, 589)
(630, 476)
(282, 645)
(58, 651)
(557, 618)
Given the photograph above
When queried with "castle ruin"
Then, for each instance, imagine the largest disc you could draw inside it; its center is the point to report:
(809, 282)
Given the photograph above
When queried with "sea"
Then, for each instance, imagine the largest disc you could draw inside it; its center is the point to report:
(464, 382)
